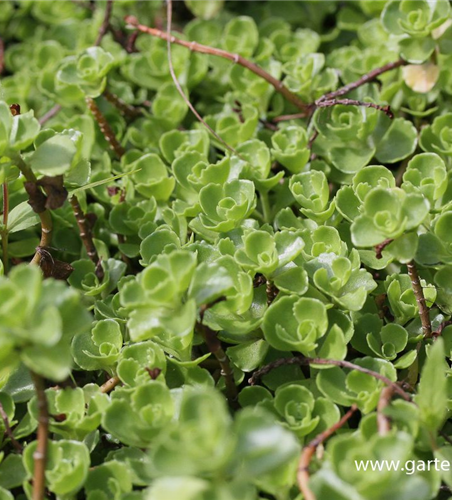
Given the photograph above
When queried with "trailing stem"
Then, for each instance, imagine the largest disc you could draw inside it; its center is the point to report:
(300, 360)
(295, 116)
(181, 90)
(381, 246)
(44, 216)
(40, 454)
(368, 77)
(110, 384)
(328, 103)
(105, 23)
(105, 128)
(309, 450)
(214, 345)
(235, 58)
(9, 431)
(125, 109)
(331, 98)
(50, 114)
(383, 422)
(87, 236)
(420, 299)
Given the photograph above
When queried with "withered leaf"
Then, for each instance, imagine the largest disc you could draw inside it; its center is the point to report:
(36, 198)
(53, 268)
(55, 190)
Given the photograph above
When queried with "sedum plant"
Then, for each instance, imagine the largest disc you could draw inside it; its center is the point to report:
(226, 249)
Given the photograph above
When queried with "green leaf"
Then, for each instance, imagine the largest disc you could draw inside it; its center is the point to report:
(248, 356)
(22, 217)
(12, 472)
(399, 141)
(263, 444)
(205, 9)
(24, 129)
(54, 156)
(432, 403)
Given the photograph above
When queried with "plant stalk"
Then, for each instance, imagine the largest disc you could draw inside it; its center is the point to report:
(105, 23)
(372, 75)
(105, 128)
(9, 431)
(309, 450)
(40, 454)
(420, 299)
(214, 345)
(300, 360)
(87, 236)
(235, 58)
(45, 217)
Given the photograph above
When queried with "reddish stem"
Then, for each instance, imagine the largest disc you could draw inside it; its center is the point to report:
(309, 450)
(124, 108)
(105, 128)
(9, 431)
(328, 103)
(420, 299)
(300, 360)
(106, 22)
(50, 114)
(235, 58)
(87, 237)
(40, 454)
(375, 73)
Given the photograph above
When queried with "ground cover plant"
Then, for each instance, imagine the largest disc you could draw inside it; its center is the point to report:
(226, 237)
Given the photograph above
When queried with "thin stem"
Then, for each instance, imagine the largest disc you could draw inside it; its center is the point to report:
(271, 292)
(105, 23)
(312, 139)
(40, 454)
(372, 75)
(110, 384)
(46, 234)
(130, 45)
(45, 217)
(328, 103)
(235, 58)
(441, 327)
(300, 360)
(214, 345)
(8, 430)
(86, 236)
(4, 233)
(446, 437)
(295, 116)
(420, 299)
(383, 422)
(125, 109)
(180, 89)
(309, 450)
(105, 128)
(381, 246)
(50, 114)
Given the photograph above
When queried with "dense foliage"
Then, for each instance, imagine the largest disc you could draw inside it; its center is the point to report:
(152, 262)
